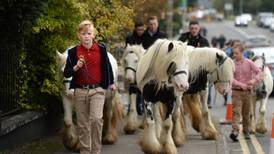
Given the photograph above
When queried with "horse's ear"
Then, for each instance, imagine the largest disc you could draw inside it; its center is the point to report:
(219, 59)
(170, 46)
(59, 54)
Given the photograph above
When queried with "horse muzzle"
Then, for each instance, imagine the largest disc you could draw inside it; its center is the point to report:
(182, 87)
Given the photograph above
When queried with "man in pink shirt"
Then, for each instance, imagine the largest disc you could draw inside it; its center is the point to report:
(246, 76)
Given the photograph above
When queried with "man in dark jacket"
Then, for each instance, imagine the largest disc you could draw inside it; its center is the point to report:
(193, 37)
(137, 36)
(152, 32)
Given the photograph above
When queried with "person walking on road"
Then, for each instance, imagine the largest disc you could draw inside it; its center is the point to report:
(152, 32)
(214, 41)
(193, 37)
(246, 76)
(137, 37)
(221, 41)
(91, 72)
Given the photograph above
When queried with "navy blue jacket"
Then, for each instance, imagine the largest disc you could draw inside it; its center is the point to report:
(149, 40)
(197, 41)
(106, 69)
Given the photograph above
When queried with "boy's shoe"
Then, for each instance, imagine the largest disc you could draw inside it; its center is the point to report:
(234, 137)
(247, 136)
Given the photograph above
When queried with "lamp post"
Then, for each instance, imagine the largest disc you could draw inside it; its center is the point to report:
(241, 7)
(169, 18)
(184, 12)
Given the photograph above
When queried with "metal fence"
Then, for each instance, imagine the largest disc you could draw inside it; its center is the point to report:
(9, 67)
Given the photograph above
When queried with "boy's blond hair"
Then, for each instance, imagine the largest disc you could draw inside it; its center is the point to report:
(86, 24)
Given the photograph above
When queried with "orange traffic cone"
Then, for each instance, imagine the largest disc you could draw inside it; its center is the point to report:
(228, 117)
(271, 148)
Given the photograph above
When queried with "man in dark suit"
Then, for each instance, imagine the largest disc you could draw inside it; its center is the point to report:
(152, 32)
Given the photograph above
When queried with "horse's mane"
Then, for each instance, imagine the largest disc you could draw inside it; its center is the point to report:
(155, 59)
(137, 49)
(114, 67)
(61, 62)
(206, 59)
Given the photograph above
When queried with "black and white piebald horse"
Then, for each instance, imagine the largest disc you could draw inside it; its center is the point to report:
(206, 65)
(262, 92)
(162, 76)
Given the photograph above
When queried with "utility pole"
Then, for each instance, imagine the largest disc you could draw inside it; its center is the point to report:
(241, 7)
(184, 12)
(169, 27)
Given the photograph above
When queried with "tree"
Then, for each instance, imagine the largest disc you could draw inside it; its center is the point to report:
(43, 27)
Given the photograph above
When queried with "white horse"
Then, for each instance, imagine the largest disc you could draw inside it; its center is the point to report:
(206, 64)
(262, 92)
(130, 60)
(112, 108)
(164, 62)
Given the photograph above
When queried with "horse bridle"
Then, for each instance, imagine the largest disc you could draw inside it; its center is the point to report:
(171, 71)
(217, 73)
(66, 81)
(130, 68)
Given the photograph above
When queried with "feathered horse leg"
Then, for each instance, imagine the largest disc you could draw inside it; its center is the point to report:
(69, 136)
(207, 128)
(178, 131)
(149, 142)
(261, 124)
(112, 116)
(131, 120)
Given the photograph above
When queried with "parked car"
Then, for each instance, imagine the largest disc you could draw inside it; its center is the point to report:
(247, 16)
(267, 21)
(240, 21)
(269, 56)
(261, 17)
(271, 27)
(257, 41)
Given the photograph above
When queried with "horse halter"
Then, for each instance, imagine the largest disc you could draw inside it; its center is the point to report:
(171, 71)
(66, 81)
(128, 67)
(220, 63)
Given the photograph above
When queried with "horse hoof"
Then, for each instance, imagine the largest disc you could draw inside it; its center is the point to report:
(252, 131)
(210, 135)
(129, 130)
(141, 126)
(261, 130)
(169, 149)
(109, 139)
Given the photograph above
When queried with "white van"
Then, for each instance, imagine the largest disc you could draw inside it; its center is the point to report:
(269, 56)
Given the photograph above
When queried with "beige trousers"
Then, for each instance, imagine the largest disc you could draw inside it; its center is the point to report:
(241, 102)
(89, 104)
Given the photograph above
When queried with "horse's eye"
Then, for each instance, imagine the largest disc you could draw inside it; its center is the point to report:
(136, 61)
